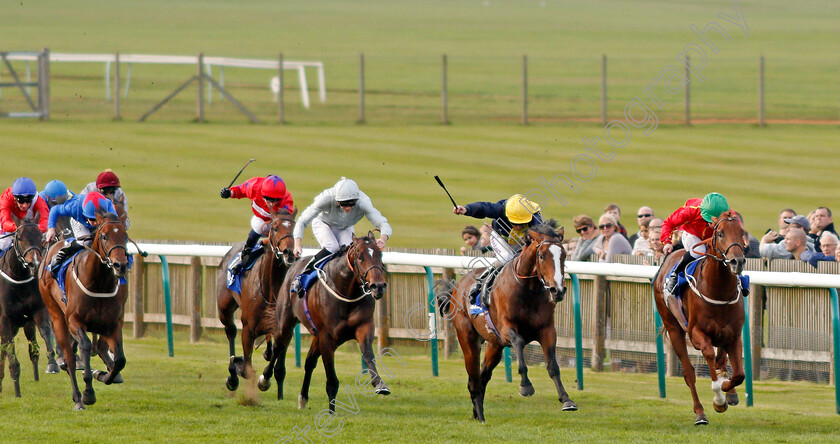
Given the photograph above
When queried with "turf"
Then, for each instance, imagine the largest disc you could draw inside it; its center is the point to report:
(183, 399)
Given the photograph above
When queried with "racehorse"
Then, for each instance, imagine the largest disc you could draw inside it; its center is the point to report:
(338, 307)
(522, 298)
(260, 286)
(20, 302)
(715, 311)
(94, 304)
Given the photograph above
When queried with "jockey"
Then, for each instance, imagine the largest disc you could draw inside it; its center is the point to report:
(19, 202)
(511, 219)
(696, 219)
(333, 214)
(267, 194)
(81, 209)
(55, 192)
(109, 186)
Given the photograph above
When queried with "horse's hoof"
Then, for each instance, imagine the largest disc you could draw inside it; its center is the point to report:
(52, 368)
(569, 406)
(232, 383)
(118, 379)
(701, 419)
(720, 408)
(263, 383)
(61, 364)
(302, 402)
(526, 390)
(383, 390)
(732, 398)
(88, 398)
(79, 406)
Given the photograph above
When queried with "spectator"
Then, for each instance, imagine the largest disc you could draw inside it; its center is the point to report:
(813, 233)
(655, 244)
(771, 250)
(795, 243)
(615, 211)
(828, 244)
(823, 222)
(751, 251)
(645, 214)
(608, 244)
(641, 246)
(585, 227)
(474, 240)
(787, 213)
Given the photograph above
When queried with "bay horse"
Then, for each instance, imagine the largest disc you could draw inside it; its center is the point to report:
(714, 308)
(260, 286)
(94, 304)
(523, 298)
(338, 307)
(20, 302)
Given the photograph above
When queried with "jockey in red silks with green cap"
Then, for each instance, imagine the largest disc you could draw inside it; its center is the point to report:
(696, 219)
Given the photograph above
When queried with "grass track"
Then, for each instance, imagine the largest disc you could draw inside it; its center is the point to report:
(184, 400)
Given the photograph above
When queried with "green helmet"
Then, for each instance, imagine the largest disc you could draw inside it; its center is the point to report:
(713, 205)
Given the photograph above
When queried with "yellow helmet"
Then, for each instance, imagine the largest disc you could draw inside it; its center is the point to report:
(520, 210)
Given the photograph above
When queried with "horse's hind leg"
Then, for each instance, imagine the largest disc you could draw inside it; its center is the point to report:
(677, 338)
(7, 345)
(469, 339)
(364, 335)
(327, 345)
(269, 349)
(738, 375)
(525, 386)
(308, 367)
(42, 320)
(34, 350)
(548, 341)
(492, 357)
(85, 348)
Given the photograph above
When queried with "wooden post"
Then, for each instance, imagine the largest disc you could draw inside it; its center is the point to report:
(117, 86)
(687, 93)
(383, 322)
(444, 118)
(281, 117)
(196, 296)
(761, 91)
(361, 88)
(200, 78)
(138, 289)
(599, 314)
(524, 89)
(604, 90)
(757, 325)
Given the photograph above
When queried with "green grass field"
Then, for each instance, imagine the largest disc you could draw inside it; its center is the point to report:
(183, 399)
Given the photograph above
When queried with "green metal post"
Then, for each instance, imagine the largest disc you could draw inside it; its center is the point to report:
(168, 303)
(578, 331)
(748, 387)
(508, 372)
(297, 346)
(660, 348)
(835, 321)
(432, 320)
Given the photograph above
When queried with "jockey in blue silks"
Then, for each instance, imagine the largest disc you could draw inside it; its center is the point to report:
(81, 209)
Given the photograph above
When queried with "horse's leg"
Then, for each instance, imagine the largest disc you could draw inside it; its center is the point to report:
(468, 338)
(42, 320)
(2, 364)
(115, 346)
(34, 350)
(548, 341)
(525, 386)
(7, 344)
(720, 363)
(227, 308)
(85, 348)
(364, 336)
(268, 348)
(677, 337)
(327, 345)
(492, 356)
(308, 366)
(738, 376)
(248, 338)
(704, 343)
(65, 341)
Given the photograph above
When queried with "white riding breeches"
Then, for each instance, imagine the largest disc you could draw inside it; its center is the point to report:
(80, 230)
(504, 252)
(260, 226)
(329, 237)
(6, 242)
(689, 241)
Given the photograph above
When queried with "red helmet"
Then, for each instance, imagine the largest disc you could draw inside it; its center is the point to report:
(107, 178)
(274, 187)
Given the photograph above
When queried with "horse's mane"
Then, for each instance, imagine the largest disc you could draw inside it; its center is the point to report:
(547, 228)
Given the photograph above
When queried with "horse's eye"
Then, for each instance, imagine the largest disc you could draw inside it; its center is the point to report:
(542, 256)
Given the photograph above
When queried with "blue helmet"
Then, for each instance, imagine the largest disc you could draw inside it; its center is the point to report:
(24, 186)
(54, 189)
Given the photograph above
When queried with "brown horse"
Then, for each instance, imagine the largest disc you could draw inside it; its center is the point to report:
(260, 286)
(336, 308)
(523, 298)
(715, 311)
(94, 304)
(20, 301)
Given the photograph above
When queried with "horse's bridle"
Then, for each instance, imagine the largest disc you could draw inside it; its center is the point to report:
(717, 249)
(363, 283)
(537, 275)
(278, 253)
(22, 255)
(107, 261)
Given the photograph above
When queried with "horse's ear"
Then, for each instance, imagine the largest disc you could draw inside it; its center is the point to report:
(354, 238)
(294, 212)
(562, 233)
(371, 235)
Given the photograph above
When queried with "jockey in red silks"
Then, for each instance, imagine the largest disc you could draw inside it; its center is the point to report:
(696, 219)
(267, 194)
(19, 202)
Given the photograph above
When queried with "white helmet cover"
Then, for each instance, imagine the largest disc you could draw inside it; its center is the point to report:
(346, 189)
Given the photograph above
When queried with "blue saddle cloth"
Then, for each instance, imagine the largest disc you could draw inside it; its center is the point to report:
(307, 280)
(478, 306)
(682, 282)
(234, 281)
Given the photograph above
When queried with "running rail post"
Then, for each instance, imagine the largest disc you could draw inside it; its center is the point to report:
(578, 331)
(167, 301)
(508, 372)
(748, 383)
(835, 321)
(297, 346)
(432, 320)
(660, 347)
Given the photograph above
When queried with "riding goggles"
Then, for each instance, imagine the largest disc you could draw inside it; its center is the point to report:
(348, 203)
(24, 199)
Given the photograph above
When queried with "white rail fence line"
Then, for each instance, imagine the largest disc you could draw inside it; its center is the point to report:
(209, 62)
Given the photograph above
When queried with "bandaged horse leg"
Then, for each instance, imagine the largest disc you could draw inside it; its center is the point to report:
(34, 350)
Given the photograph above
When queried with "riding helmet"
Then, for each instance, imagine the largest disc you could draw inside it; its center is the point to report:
(520, 210)
(346, 189)
(24, 186)
(713, 205)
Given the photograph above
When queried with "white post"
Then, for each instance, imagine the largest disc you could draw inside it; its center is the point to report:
(304, 88)
(107, 81)
(322, 84)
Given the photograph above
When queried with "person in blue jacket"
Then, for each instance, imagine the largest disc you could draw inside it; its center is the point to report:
(81, 209)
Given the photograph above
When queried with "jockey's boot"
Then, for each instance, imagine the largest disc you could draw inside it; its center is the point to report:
(475, 289)
(68, 250)
(245, 254)
(671, 282)
(296, 286)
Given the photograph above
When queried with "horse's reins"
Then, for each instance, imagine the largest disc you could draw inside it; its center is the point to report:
(537, 274)
(362, 278)
(712, 242)
(107, 262)
(21, 257)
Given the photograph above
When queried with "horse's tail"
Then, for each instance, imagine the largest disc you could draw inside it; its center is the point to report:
(443, 293)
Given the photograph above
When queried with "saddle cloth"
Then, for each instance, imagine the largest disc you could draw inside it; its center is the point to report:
(234, 281)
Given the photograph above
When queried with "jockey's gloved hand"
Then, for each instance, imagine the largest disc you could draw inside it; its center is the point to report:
(225, 193)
